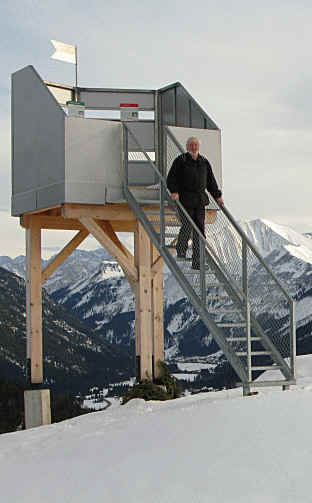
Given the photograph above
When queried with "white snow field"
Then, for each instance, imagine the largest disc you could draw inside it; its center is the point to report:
(214, 447)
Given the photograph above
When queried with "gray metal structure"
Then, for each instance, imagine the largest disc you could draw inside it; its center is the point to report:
(51, 150)
(59, 159)
(230, 288)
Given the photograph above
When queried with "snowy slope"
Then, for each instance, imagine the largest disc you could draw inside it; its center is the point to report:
(215, 447)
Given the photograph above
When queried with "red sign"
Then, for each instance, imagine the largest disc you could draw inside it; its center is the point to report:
(128, 105)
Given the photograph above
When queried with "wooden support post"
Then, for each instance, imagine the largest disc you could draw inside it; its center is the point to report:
(158, 317)
(143, 305)
(34, 302)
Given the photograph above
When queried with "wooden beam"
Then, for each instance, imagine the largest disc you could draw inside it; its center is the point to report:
(96, 230)
(71, 224)
(158, 264)
(108, 229)
(123, 225)
(158, 315)
(34, 302)
(44, 210)
(143, 305)
(64, 254)
(112, 211)
(98, 211)
(53, 222)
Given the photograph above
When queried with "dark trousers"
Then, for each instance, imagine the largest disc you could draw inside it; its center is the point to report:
(198, 216)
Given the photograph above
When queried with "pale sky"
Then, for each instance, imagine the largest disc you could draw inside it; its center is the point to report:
(247, 63)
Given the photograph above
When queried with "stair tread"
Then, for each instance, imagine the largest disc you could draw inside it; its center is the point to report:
(229, 324)
(234, 339)
(157, 212)
(254, 353)
(144, 187)
(261, 384)
(217, 311)
(265, 367)
(167, 224)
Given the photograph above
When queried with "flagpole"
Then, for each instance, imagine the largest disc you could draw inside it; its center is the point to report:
(76, 73)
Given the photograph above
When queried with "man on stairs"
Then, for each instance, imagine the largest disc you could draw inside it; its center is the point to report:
(189, 176)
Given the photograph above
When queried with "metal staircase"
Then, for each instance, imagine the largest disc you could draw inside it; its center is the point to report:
(243, 305)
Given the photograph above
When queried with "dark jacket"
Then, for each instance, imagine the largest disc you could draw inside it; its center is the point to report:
(190, 179)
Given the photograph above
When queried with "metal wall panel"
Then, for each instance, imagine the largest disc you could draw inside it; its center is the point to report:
(110, 99)
(210, 146)
(141, 173)
(183, 118)
(197, 118)
(37, 138)
(144, 131)
(179, 108)
(168, 107)
(93, 160)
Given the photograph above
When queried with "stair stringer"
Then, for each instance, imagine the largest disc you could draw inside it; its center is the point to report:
(234, 293)
(216, 332)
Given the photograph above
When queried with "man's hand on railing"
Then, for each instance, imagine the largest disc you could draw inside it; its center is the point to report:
(220, 201)
(174, 196)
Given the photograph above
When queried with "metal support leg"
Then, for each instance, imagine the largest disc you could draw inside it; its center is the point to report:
(202, 272)
(246, 390)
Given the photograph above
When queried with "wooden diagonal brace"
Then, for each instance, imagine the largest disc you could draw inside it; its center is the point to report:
(63, 254)
(108, 229)
(111, 246)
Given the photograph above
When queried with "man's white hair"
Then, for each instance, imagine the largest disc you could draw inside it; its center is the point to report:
(190, 139)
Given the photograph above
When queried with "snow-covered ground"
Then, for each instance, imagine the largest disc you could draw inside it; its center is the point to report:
(214, 447)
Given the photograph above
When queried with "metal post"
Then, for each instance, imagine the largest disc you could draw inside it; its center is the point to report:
(162, 215)
(125, 153)
(248, 334)
(202, 271)
(76, 74)
(244, 267)
(292, 308)
(245, 290)
(163, 192)
(156, 133)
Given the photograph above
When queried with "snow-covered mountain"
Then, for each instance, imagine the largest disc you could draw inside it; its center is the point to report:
(106, 302)
(102, 297)
(79, 265)
(75, 358)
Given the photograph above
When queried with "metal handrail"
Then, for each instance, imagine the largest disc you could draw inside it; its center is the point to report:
(177, 203)
(238, 293)
(246, 242)
(255, 251)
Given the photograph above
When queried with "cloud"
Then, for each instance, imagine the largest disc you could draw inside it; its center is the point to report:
(244, 63)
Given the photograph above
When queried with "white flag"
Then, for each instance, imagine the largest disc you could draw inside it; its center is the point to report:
(64, 52)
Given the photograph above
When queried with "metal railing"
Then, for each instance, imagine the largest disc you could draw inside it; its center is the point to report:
(270, 303)
(221, 275)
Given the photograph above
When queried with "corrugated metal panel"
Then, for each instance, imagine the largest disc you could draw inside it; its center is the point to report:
(168, 107)
(197, 118)
(183, 118)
